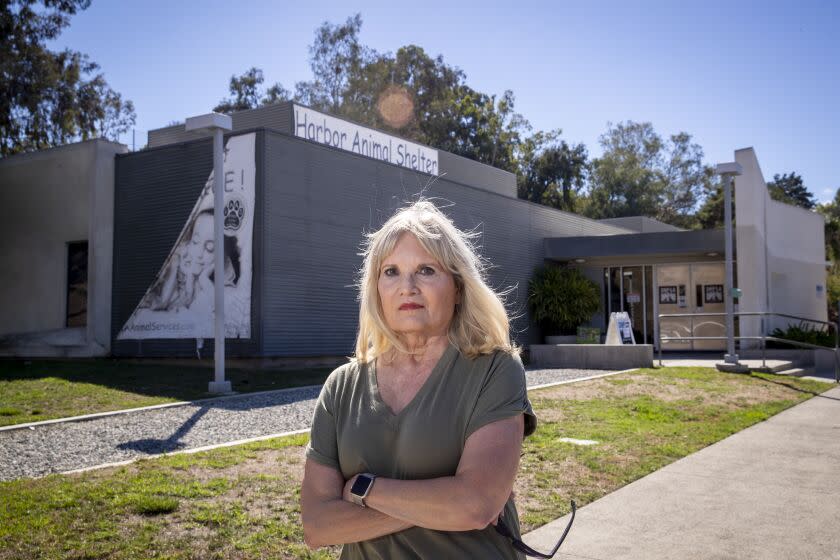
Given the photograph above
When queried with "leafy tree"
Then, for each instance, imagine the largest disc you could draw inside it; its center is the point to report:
(831, 213)
(350, 80)
(275, 94)
(245, 93)
(431, 88)
(552, 171)
(686, 179)
(627, 179)
(447, 114)
(335, 57)
(51, 98)
(791, 190)
(486, 130)
(640, 174)
(710, 214)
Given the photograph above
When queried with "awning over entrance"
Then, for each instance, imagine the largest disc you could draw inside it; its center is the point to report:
(694, 242)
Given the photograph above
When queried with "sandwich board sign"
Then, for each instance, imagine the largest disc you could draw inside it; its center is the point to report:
(620, 330)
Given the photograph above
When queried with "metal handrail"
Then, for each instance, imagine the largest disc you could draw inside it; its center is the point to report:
(749, 313)
(763, 338)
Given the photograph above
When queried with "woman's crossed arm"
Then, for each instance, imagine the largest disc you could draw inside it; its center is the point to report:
(471, 499)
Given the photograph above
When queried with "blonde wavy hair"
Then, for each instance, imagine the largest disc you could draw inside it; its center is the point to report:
(480, 324)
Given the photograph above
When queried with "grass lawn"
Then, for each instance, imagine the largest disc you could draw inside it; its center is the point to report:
(41, 390)
(242, 502)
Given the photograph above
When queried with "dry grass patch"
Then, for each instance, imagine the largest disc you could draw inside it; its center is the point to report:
(722, 389)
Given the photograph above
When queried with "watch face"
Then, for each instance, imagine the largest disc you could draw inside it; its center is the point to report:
(361, 485)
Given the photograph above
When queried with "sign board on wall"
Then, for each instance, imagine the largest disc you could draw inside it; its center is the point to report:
(179, 302)
(344, 135)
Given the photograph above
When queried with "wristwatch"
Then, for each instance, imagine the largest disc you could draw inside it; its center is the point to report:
(361, 488)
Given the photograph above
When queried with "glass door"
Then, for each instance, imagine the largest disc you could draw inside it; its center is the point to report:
(630, 289)
(673, 283)
(707, 283)
(632, 286)
(691, 289)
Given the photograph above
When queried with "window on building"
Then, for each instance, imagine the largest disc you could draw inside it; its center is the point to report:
(77, 263)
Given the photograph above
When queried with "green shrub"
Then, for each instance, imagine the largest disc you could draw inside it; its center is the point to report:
(561, 299)
(802, 334)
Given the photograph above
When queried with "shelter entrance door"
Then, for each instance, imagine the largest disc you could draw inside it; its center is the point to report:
(691, 289)
(630, 289)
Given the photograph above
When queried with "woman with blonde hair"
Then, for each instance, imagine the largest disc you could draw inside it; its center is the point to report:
(415, 443)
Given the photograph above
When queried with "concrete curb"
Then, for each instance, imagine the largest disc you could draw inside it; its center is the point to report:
(181, 452)
(564, 382)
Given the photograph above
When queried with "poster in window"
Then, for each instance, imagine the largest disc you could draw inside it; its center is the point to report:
(713, 293)
(179, 302)
(668, 294)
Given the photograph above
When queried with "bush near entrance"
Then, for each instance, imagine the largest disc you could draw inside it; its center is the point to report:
(802, 334)
(561, 299)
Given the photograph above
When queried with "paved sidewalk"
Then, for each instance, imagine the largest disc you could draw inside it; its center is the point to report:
(770, 491)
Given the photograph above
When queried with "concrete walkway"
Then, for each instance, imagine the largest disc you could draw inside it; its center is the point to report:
(704, 361)
(710, 360)
(770, 491)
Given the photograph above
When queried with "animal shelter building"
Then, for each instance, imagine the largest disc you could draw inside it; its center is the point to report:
(109, 252)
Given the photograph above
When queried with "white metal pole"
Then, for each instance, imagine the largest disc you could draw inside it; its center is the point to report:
(217, 124)
(731, 357)
(220, 384)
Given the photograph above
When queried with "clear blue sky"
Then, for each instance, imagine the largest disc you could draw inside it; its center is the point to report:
(732, 74)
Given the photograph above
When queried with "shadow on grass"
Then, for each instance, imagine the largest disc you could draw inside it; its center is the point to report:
(792, 387)
(184, 383)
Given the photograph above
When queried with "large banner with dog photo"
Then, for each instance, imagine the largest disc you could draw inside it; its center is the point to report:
(179, 303)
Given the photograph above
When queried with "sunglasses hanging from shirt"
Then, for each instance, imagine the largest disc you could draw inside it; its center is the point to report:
(504, 530)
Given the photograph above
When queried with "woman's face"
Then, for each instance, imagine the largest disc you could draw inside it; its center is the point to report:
(417, 294)
(200, 248)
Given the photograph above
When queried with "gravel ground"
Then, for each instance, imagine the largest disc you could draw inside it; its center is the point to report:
(54, 448)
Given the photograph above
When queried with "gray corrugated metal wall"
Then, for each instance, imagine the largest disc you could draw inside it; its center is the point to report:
(640, 224)
(155, 190)
(319, 200)
(462, 170)
(276, 117)
(280, 117)
(313, 205)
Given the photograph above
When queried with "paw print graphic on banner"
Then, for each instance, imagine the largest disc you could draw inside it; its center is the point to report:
(234, 212)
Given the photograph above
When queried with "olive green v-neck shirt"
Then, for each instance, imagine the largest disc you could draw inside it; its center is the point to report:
(354, 431)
